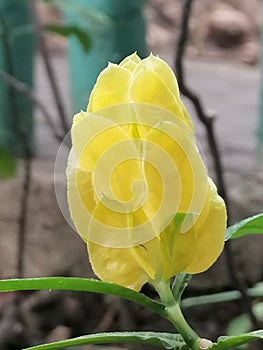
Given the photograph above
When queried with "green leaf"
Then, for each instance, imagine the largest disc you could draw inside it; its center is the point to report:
(210, 299)
(256, 291)
(164, 340)
(7, 164)
(233, 341)
(87, 15)
(83, 285)
(66, 31)
(242, 323)
(181, 281)
(253, 224)
(238, 325)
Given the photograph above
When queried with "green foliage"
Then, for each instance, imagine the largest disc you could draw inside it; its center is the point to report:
(84, 13)
(89, 19)
(242, 323)
(67, 31)
(164, 340)
(82, 285)
(256, 291)
(167, 310)
(7, 164)
(253, 224)
(231, 342)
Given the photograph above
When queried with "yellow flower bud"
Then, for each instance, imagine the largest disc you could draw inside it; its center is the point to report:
(138, 190)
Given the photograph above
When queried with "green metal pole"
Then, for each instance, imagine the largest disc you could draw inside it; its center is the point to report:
(16, 58)
(117, 29)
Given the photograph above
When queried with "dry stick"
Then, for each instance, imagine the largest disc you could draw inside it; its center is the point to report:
(208, 122)
(22, 221)
(50, 72)
(25, 89)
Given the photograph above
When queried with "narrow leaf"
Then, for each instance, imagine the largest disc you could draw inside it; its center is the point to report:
(7, 164)
(67, 31)
(83, 285)
(253, 224)
(233, 341)
(210, 299)
(164, 340)
(180, 283)
(256, 291)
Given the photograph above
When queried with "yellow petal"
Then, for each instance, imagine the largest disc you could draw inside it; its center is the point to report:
(169, 253)
(210, 233)
(180, 167)
(92, 135)
(164, 72)
(112, 87)
(79, 187)
(130, 62)
(117, 266)
(155, 83)
(133, 169)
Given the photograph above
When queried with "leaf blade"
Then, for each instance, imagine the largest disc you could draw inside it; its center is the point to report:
(221, 297)
(7, 164)
(181, 281)
(251, 225)
(67, 31)
(166, 340)
(83, 285)
(230, 342)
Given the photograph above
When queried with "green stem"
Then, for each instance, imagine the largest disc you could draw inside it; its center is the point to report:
(175, 316)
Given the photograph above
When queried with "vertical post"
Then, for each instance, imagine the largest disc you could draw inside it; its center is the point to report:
(16, 58)
(117, 29)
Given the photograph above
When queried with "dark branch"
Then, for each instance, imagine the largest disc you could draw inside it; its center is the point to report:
(205, 118)
(208, 123)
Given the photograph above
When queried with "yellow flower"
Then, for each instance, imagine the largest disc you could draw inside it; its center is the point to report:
(138, 190)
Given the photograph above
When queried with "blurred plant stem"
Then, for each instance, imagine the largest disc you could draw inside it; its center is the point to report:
(49, 69)
(25, 89)
(208, 122)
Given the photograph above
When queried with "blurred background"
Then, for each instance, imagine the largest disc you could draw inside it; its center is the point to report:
(50, 55)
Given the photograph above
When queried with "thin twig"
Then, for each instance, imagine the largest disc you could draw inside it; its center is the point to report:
(25, 89)
(49, 69)
(208, 122)
(19, 86)
(22, 221)
(206, 119)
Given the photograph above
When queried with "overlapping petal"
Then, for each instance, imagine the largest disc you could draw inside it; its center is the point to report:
(138, 190)
(210, 232)
(126, 83)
